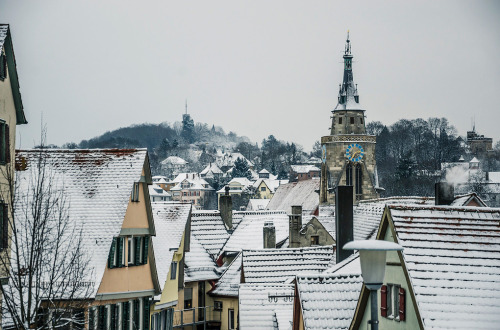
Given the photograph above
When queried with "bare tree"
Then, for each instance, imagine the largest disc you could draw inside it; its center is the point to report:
(47, 269)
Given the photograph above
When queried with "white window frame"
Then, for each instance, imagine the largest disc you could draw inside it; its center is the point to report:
(229, 325)
(393, 301)
(141, 314)
(141, 250)
(135, 192)
(108, 316)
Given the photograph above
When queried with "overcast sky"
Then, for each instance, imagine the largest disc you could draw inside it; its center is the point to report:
(252, 67)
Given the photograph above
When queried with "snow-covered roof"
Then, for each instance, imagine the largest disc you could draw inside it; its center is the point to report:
(266, 306)
(174, 160)
(229, 281)
(156, 190)
(198, 265)
(296, 193)
(328, 301)
(281, 265)
(494, 177)
(208, 227)
(229, 158)
(97, 184)
(464, 200)
(3, 35)
(257, 204)
(474, 160)
(157, 178)
(249, 232)
(452, 255)
(170, 222)
(304, 169)
(264, 171)
(213, 168)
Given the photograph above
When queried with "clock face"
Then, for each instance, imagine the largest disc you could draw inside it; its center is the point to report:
(323, 154)
(354, 152)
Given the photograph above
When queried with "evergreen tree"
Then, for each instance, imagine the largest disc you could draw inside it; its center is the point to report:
(188, 128)
(241, 169)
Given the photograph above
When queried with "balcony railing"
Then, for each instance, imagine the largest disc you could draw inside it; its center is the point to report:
(193, 317)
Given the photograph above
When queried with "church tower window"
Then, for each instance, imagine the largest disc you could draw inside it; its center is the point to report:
(359, 180)
(348, 175)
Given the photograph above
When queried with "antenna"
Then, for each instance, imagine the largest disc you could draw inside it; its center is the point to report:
(186, 106)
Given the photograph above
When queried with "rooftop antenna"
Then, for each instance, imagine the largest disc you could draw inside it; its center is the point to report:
(186, 106)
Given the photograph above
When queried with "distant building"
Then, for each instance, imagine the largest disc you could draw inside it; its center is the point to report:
(173, 165)
(226, 161)
(211, 171)
(304, 172)
(191, 188)
(158, 194)
(478, 144)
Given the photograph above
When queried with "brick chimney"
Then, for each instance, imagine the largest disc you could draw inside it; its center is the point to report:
(269, 235)
(445, 193)
(343, 220)
(294, 226)
(226, 209)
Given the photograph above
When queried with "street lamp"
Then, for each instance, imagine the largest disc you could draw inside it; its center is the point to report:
(372, 258)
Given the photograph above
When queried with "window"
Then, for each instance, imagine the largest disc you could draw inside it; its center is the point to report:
(135, 192)
(218, 305)
(3, 66)
(392, 303)
(262, 188)
(340, 120)
(231, 319)
(188, 298)
(4, 226)
(314, 240)
(352, 120)
(359, 180)
(130, 250)
(348, 175)
(125, 315)
(173, 270)
(361, 120)
(4, 143)
(113, 253)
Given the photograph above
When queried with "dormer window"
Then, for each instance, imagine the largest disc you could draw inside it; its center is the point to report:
(3, 67)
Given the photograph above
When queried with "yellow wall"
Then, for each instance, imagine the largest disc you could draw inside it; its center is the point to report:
(227, 304)
(133, 278)
(170, 289)
(267, 194)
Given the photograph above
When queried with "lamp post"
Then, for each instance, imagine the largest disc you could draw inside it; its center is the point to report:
(372, 258)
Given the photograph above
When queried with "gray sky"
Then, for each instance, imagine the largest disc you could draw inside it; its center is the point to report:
(252, 67)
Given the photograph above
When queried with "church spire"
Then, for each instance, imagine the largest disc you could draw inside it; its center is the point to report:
(348, 93)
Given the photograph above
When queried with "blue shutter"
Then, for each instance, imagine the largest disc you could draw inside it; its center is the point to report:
(137, 246)
(145, 242)
(146, 313)
(120, 251)
(125, 315)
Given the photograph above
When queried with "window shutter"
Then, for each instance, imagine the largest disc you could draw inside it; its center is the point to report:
(135, 319)
(102, 318)
(402, 314)
(125, 316)
(146, 313)
(120, 252)
(137, 246)
(7, 144)
(113, 316)
(91, 318)
(112, 253)
(145, 242)
(383, 301)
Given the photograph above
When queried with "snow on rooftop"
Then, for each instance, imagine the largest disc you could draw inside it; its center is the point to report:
(280, 265)
(304, 169)
(208, 227)
(266, 306)
(170, 222)
(198, 265)
(452, 255)
(249, 232)
(257, 204)
(97, 184)
(229, 281)
(329, 301)
(174, 160)
(302, 193)
(3, 34)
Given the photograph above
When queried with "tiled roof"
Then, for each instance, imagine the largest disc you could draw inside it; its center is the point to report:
(272, 184)
(249, 232)
(266, 306)
(304, 169)
(156, 190)
(328, 301)
(198, 265)
(170, 222)
(174, 160)
(212, 167)
(257, 204)
(280, 265)
(452, 255)
(97, 185)
(229, 282)
(209, 229)
(463, 200)
(296, 193)
(3, 34)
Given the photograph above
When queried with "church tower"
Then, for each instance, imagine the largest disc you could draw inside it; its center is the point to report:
(348, 153)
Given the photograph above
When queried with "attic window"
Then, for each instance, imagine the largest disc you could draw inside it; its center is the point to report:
(3, 67)
(361, 120)
(340, 120)
(314, 240)
(392, 302)
(135, 192)
(352, 120)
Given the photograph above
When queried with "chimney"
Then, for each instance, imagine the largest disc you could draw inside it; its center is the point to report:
(343, 220)
(269, 235)
(226, 209)
(294, 226)
(445, 193)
